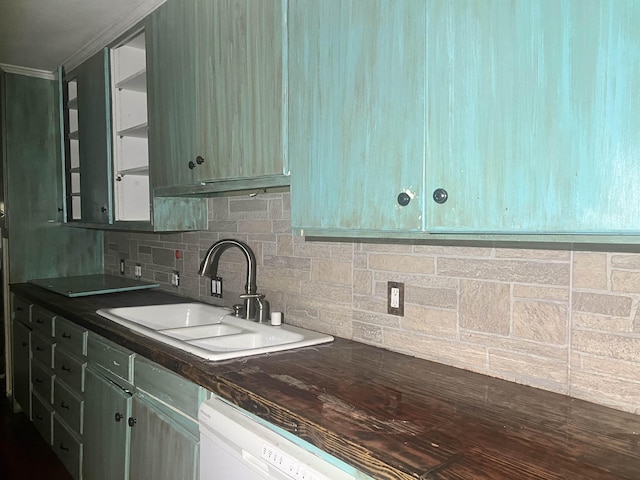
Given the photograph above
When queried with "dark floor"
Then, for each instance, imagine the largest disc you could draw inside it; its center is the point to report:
(24, 455)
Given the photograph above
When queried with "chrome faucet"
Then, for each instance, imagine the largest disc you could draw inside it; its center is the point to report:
(251, 296)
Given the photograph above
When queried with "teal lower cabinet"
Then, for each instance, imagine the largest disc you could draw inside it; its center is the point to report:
(164, 444)
(101, 420)
(106, 432)
(141, 426)
(21, 366)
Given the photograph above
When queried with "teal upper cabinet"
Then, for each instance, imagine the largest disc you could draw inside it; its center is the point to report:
(356, 114)
(108, 182)
(94, 138)
(532, 116)
(484, 118)
(216, 96)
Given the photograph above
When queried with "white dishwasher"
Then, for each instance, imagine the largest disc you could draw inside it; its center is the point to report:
(235, 445)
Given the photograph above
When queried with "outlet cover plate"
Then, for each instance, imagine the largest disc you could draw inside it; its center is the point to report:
(395, 298)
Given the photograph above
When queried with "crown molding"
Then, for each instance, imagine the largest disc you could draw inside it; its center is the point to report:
(111, 33)
(29, 72)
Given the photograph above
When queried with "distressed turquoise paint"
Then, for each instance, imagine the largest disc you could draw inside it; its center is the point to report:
(40, 246)
(216, 88)
(94, 120)
(356, 113)
(533, 116)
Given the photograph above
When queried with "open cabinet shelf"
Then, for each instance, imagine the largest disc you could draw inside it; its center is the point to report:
(130, 131)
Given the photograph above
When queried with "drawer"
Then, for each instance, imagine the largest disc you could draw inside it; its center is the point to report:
(68, 448)
(68, 405)
(70, 369)
(42, 380)
(42, 417)
(114, 358)
(21, 309)
(42, 320)
(165, 385)
(71, 336)
(42, 349)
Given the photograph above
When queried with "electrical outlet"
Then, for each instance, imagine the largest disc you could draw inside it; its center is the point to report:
(138, 270)
(395, 298)
(175, 278)
(216, 287)
(122, 266)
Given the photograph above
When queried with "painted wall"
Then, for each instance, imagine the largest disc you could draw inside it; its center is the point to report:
(562, 320)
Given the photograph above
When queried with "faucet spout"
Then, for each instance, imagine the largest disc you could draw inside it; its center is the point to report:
(209, 266)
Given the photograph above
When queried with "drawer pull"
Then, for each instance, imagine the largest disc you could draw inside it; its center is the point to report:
(132, 421)
(19, 309)
(119, 416)
(64, 368)
(63, 448)
(64, 405)
(65, 335)
(25, 344)
(38, 416)
(38, 380)
(40, 349)
(39, 320)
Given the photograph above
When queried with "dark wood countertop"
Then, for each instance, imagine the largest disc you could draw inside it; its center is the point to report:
(390, 415)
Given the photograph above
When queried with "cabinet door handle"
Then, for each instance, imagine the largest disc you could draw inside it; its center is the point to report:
(38, 380)
(39, 320)
(38, 416)
(132, 421)
(25, 344)
(64, 405)
(62, 447)
(40, 349)
(199, 160)
(64, 368)
(119, 416)
(19, 309)
(65, 335)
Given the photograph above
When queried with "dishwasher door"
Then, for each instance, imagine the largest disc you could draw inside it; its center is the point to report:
(235, 446)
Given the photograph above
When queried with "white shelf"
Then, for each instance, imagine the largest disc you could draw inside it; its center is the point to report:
(138, 131)
(142, 170)
(136, 82)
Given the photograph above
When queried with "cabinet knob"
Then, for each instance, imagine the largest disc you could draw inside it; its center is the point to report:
(440, 195)
(132, 421)
(104, 209)
(199, 161)
(119, 416)
(404, 199)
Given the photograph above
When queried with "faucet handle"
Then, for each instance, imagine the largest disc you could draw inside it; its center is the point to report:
(263, 313)
(244, 296)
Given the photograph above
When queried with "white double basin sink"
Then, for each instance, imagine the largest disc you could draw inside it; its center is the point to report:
(211, 332)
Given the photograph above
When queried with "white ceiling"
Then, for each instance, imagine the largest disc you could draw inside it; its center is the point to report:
(42, 34)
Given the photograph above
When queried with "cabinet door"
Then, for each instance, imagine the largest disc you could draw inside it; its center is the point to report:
(356, 114)
(160, 448)
(533, 116)
(94, 130)
(240, 88)
(171, 90)
(107, 408)
(22, 366)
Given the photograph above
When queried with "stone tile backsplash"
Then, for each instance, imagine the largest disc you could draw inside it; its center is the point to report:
(561, 320)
